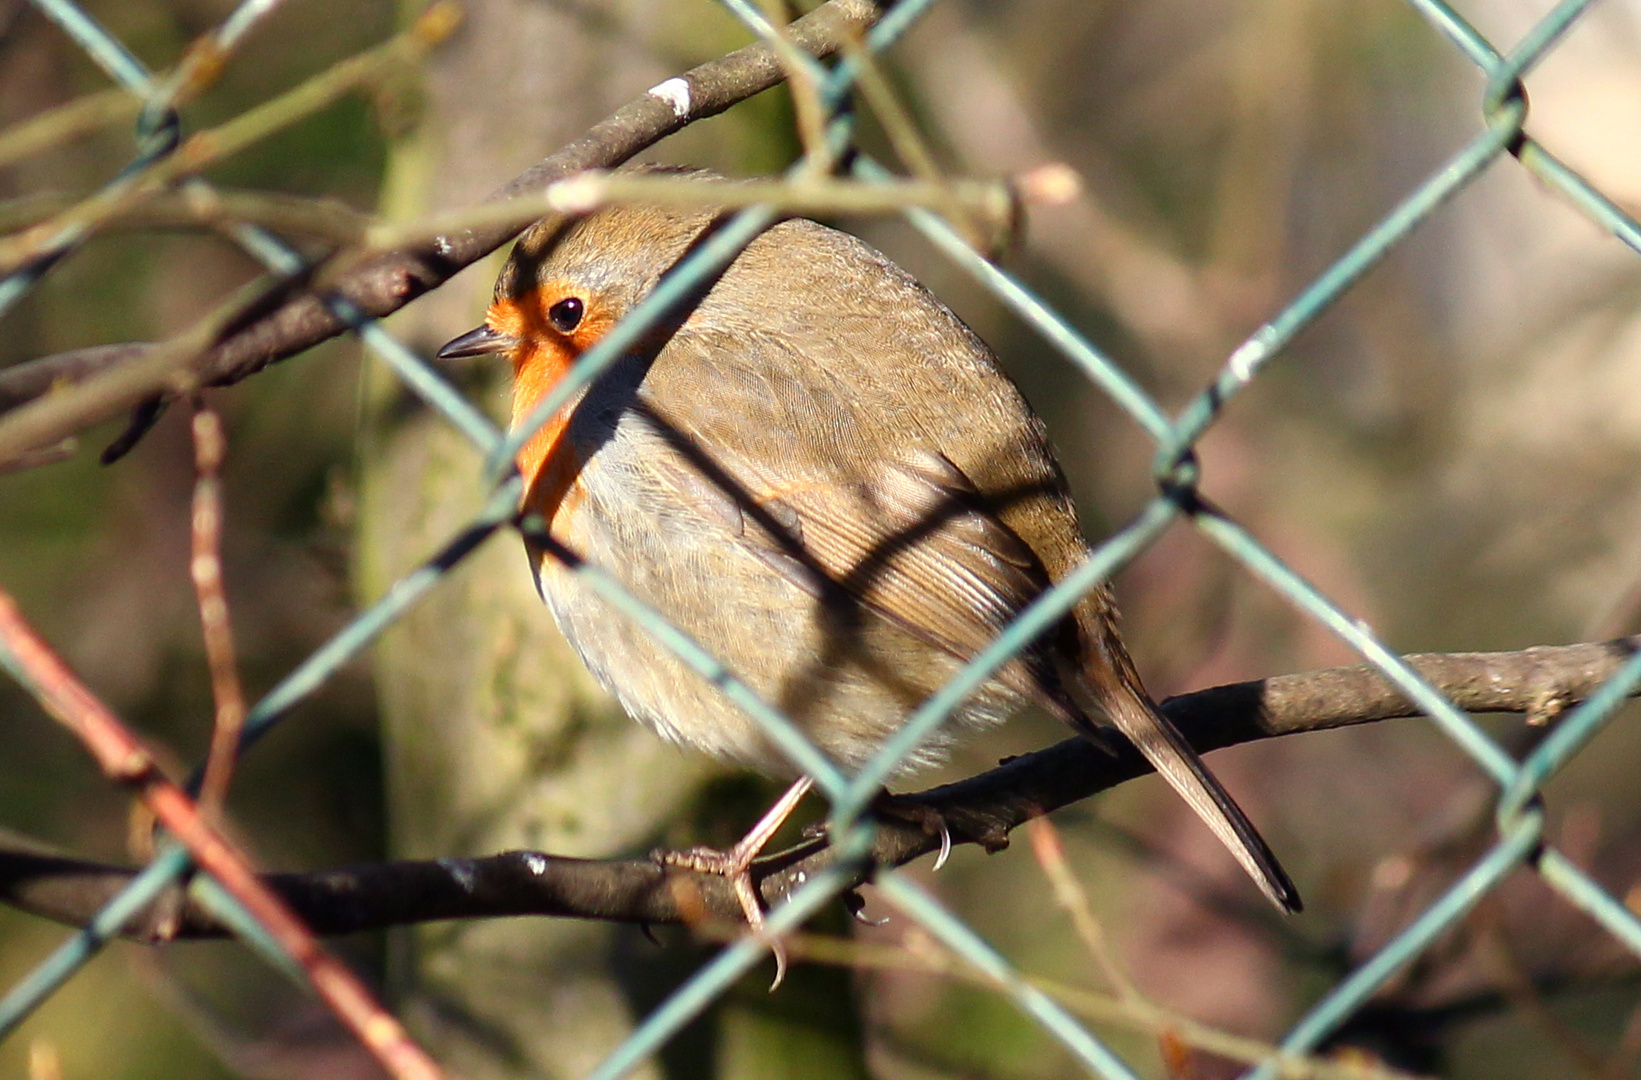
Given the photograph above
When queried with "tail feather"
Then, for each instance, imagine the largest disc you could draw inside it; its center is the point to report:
(1132, 713)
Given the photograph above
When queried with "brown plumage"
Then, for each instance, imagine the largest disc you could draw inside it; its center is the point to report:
(822, 475)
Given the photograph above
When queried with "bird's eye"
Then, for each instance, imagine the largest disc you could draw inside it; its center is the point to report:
(566, 314)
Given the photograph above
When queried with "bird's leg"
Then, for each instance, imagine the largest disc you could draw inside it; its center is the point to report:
(736, 864)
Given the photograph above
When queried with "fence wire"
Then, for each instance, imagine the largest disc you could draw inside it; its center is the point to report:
(1520, 821)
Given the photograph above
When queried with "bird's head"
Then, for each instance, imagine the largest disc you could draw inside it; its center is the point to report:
(547, 309)
(567, 281)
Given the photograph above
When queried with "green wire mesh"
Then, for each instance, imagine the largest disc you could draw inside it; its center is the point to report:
(1519, 818)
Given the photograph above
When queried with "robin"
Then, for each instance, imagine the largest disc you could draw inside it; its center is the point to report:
(823, 476)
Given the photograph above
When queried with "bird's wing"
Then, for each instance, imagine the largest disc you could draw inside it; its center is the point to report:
(854, 508)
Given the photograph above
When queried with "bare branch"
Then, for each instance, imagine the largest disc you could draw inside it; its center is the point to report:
(204, 148)
(75, 119)
(216, 624)
(22, 383)
(204, 207)
(385, 284)
(806, 194)
(982, 810)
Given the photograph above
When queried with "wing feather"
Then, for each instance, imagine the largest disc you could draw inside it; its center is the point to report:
(880, 523)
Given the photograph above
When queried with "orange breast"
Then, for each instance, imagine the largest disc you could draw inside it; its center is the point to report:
(547, 461)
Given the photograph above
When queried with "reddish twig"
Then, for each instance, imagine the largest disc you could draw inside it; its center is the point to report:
(205, 567)
(1069, 895)
(125, 760)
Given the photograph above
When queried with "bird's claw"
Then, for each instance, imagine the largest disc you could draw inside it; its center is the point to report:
(855, 904)
(945, 846)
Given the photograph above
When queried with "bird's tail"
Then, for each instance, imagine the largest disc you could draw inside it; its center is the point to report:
(1132, 712)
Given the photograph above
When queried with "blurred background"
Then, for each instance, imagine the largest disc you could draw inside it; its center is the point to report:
(1450, 454)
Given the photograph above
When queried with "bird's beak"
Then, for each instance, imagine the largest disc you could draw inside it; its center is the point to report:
(476, 343)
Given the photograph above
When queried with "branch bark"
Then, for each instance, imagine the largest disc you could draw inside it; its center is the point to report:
(1536, 682)
(385, 284)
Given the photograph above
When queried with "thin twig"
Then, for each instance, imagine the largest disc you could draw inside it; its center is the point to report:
(1176, 1033)
(325, 218)
(118, 377)
(72, 120)
(124, 760)
(46, 455)
(810, 112)
(1069, 894)
(205, 567)
(991, 230)
(208, 147)
(114, 377)
(898, 126)
(808, 194)
(207, 57)
(44, 1063)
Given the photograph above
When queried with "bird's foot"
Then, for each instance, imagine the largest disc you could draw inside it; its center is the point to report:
(735, 866)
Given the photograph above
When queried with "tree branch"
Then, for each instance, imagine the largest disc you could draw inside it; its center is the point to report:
(1536, 682)
(387, 283)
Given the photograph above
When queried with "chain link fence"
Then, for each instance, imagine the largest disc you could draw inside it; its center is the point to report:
(168, 163)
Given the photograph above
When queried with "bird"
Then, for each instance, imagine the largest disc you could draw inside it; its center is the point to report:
(821, 474)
